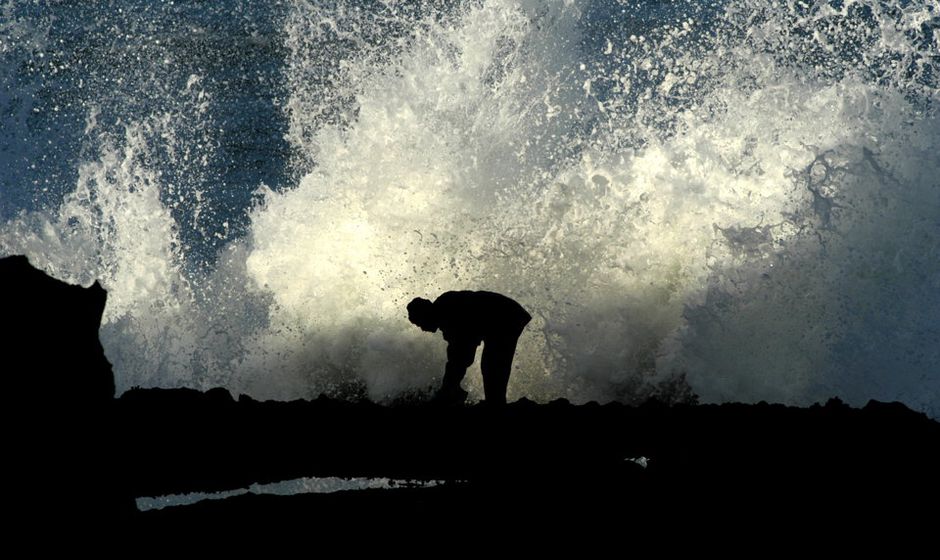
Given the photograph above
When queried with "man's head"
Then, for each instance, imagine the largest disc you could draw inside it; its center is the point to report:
(421, 313)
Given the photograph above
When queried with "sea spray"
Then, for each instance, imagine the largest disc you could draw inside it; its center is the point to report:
(738, 199)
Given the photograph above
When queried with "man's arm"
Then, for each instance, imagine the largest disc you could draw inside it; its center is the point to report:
(460, 354)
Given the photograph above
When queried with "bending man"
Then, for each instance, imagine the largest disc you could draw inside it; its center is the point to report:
(466, 319)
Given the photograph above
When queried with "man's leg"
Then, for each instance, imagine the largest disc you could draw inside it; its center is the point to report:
(496, 366)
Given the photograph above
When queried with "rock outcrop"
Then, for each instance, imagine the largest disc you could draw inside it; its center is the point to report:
(62, 457)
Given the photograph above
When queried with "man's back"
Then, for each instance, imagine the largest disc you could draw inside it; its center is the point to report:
(478, 315)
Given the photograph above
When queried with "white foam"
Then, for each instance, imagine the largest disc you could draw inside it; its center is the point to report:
(753, 207)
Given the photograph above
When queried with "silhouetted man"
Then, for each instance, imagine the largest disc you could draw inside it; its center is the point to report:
(466, 319)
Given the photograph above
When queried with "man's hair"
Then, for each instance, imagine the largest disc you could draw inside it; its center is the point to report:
(420, 310)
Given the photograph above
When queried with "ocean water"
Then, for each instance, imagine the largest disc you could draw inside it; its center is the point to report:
(739, 199)
(308, 485)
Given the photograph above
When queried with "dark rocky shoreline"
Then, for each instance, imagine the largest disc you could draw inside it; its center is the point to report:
(561, 458)
(79, 457)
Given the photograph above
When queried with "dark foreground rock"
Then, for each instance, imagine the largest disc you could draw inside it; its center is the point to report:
(59, 411)
(552, 461)
(77, 458)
